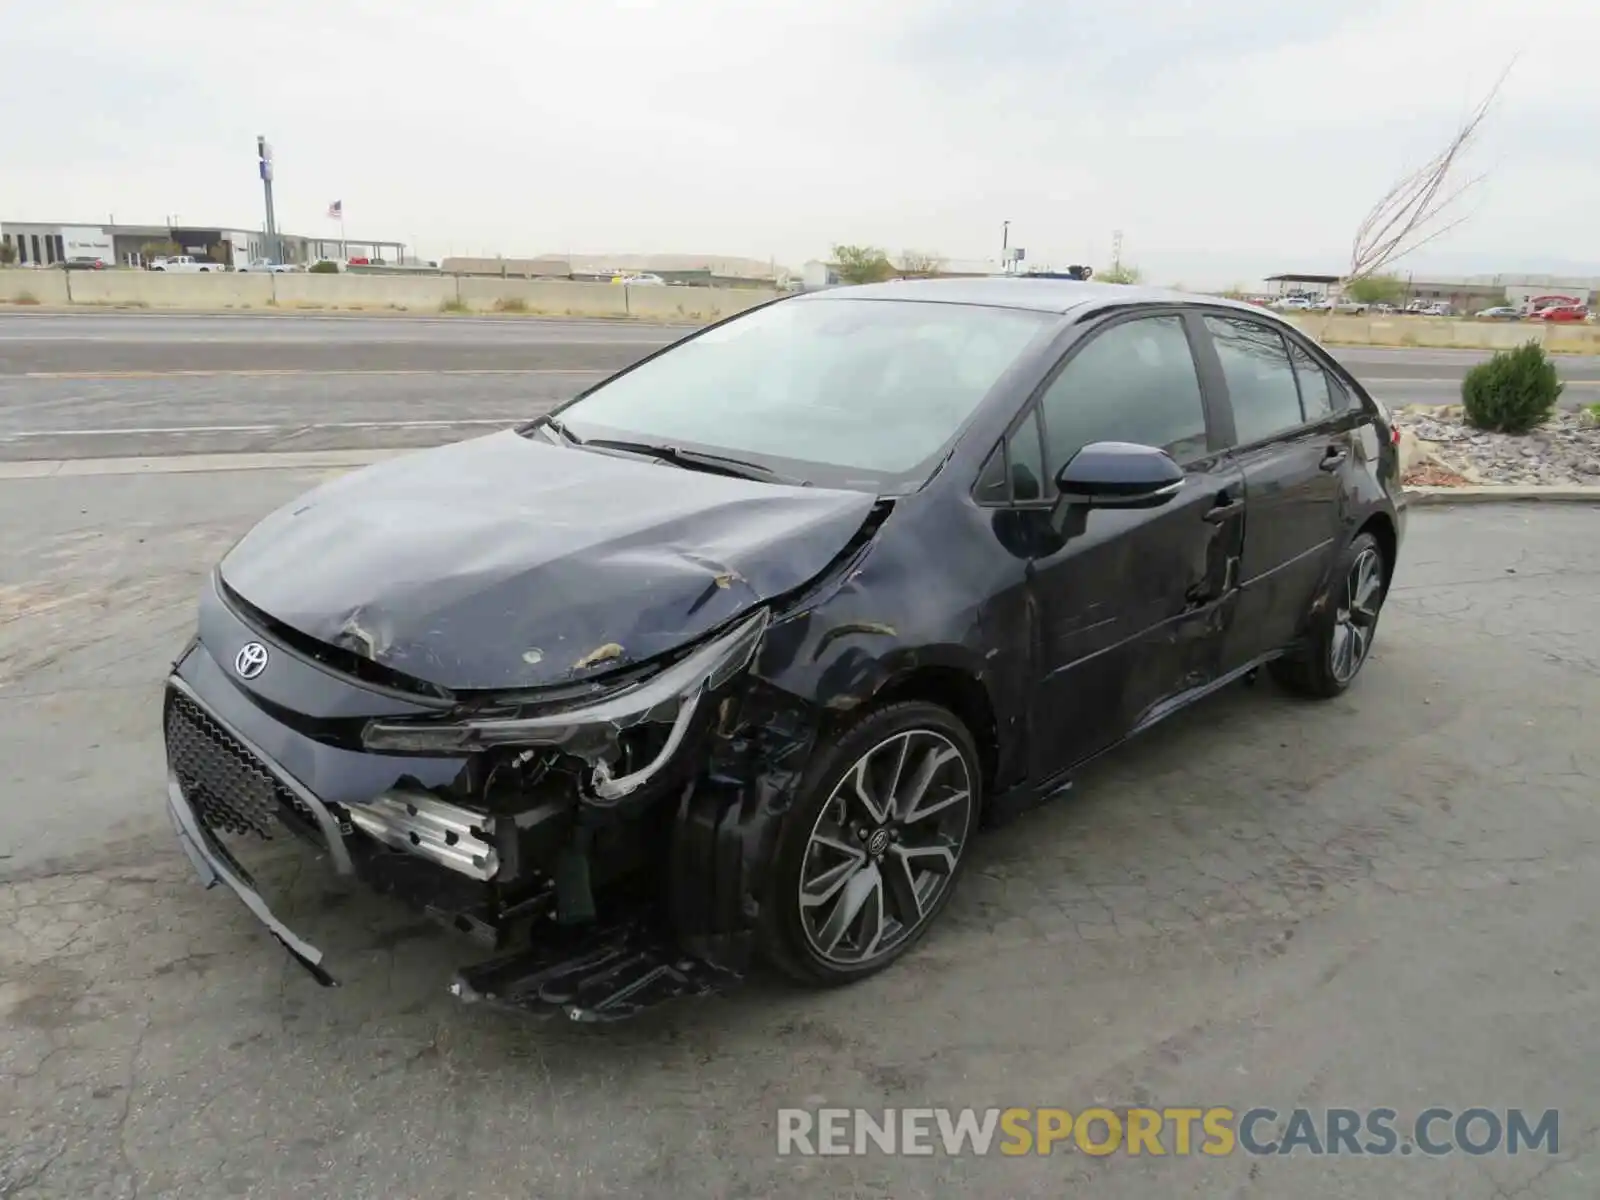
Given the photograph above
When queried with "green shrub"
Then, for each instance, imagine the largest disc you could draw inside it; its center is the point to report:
(1513, 392)
(323, 268)
(453, 306)
(511, 304)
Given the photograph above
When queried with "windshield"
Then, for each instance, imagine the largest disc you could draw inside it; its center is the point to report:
(848, 392)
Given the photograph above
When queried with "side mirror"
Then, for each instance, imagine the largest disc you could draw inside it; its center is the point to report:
(1119, 475)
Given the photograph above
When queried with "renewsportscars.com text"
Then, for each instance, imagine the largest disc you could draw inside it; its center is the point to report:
(1214, 1132)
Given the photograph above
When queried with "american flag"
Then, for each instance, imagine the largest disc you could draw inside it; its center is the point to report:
(336, 210)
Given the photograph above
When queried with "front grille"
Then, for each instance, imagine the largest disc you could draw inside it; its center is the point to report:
(231, 790)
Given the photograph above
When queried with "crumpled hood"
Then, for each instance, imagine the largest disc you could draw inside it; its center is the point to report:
(503, 562)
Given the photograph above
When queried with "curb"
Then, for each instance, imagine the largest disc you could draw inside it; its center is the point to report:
(1504, 494)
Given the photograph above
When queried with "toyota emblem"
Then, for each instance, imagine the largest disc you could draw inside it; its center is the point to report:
(251, 660)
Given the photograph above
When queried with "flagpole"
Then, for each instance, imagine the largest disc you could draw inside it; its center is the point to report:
(344, 246)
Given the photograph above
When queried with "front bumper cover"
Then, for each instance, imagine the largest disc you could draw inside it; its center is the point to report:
(213, 864)
(213, 869)
(601, 972)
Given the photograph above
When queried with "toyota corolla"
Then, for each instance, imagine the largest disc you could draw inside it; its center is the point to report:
(730, 657)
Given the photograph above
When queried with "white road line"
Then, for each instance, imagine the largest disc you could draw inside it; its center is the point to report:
(151, 430)
(270, 371)
(1371, 379)
(185, 464)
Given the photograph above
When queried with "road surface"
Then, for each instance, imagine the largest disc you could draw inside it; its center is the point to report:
(1388, 900)
(133, 385)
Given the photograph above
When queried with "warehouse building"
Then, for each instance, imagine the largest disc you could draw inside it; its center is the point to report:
(46, 244)
(1464, 293)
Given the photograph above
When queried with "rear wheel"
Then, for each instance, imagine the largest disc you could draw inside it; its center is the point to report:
(1341, 633)
(870, 853)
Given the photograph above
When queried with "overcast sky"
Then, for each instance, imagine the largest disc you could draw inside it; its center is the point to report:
(1225, 139)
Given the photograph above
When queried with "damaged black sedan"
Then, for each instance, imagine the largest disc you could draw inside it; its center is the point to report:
(731, 656)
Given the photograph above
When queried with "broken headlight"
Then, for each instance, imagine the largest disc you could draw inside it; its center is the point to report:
(591, 730)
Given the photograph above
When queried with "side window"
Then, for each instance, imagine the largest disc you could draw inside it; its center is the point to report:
(1316, 386)
(993, 487)
(1015, 471)
(1261, 383)
(1134, 382)
(1339, 395)
(1027, 460)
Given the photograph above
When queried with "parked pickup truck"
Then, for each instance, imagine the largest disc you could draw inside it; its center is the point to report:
(185, 264)
(266, 264)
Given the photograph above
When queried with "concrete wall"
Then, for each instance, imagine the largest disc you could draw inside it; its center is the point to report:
(548, 298)
(32, 287)
(350, 291)
(1438, 334)
(435, 293)
(156, 289)
(691, 303)
(418, 293)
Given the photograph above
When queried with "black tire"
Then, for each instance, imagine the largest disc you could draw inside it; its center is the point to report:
(1317, 671)
(786, 938)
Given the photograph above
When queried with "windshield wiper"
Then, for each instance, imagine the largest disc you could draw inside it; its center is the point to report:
(698, 460)
(546, 421)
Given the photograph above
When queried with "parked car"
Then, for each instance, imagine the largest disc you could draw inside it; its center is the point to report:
(1564, 312)
(1293, 304)
(1438, 310)
(269, 266)
(185, 264)
(1351, 306)
(1537, 304)
(735, 652)
(644, 280)
(1500, 312)
(83, 263)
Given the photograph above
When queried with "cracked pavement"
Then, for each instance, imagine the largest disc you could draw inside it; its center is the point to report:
(1390, 899)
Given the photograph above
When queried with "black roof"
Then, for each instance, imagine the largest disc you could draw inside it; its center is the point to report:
(1019, 291)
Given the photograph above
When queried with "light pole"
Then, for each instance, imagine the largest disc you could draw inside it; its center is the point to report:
(264, 161)
(1005, 244)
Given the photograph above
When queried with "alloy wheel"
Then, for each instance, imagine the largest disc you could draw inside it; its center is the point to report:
(884, 847)
(1357, 617)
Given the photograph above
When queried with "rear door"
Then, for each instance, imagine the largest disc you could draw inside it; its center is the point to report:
(1292, 436)
(1130, 605)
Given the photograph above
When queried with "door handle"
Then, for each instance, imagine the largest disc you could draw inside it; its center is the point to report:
(1223, 509)
(1334, 457)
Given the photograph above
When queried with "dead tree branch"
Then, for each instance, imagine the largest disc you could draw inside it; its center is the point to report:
(1423, 205)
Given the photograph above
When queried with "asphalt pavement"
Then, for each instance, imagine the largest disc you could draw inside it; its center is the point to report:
(1386, 900)
(75, 386)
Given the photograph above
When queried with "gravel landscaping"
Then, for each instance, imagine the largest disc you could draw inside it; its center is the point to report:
(1565, 450)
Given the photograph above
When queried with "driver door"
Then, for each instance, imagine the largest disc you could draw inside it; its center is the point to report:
(1133, 605)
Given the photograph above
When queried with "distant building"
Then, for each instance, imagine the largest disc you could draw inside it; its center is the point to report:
(680, 269)
(509, 268)
(1464, 293)
(45, 244)
(819, 274)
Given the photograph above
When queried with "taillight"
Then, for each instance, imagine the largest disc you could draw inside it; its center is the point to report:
(1394, 435)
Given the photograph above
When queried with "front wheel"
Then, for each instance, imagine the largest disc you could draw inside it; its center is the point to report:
(1341, 632)
(870, 853)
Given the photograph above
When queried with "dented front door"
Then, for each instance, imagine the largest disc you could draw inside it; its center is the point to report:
(1132, 611)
